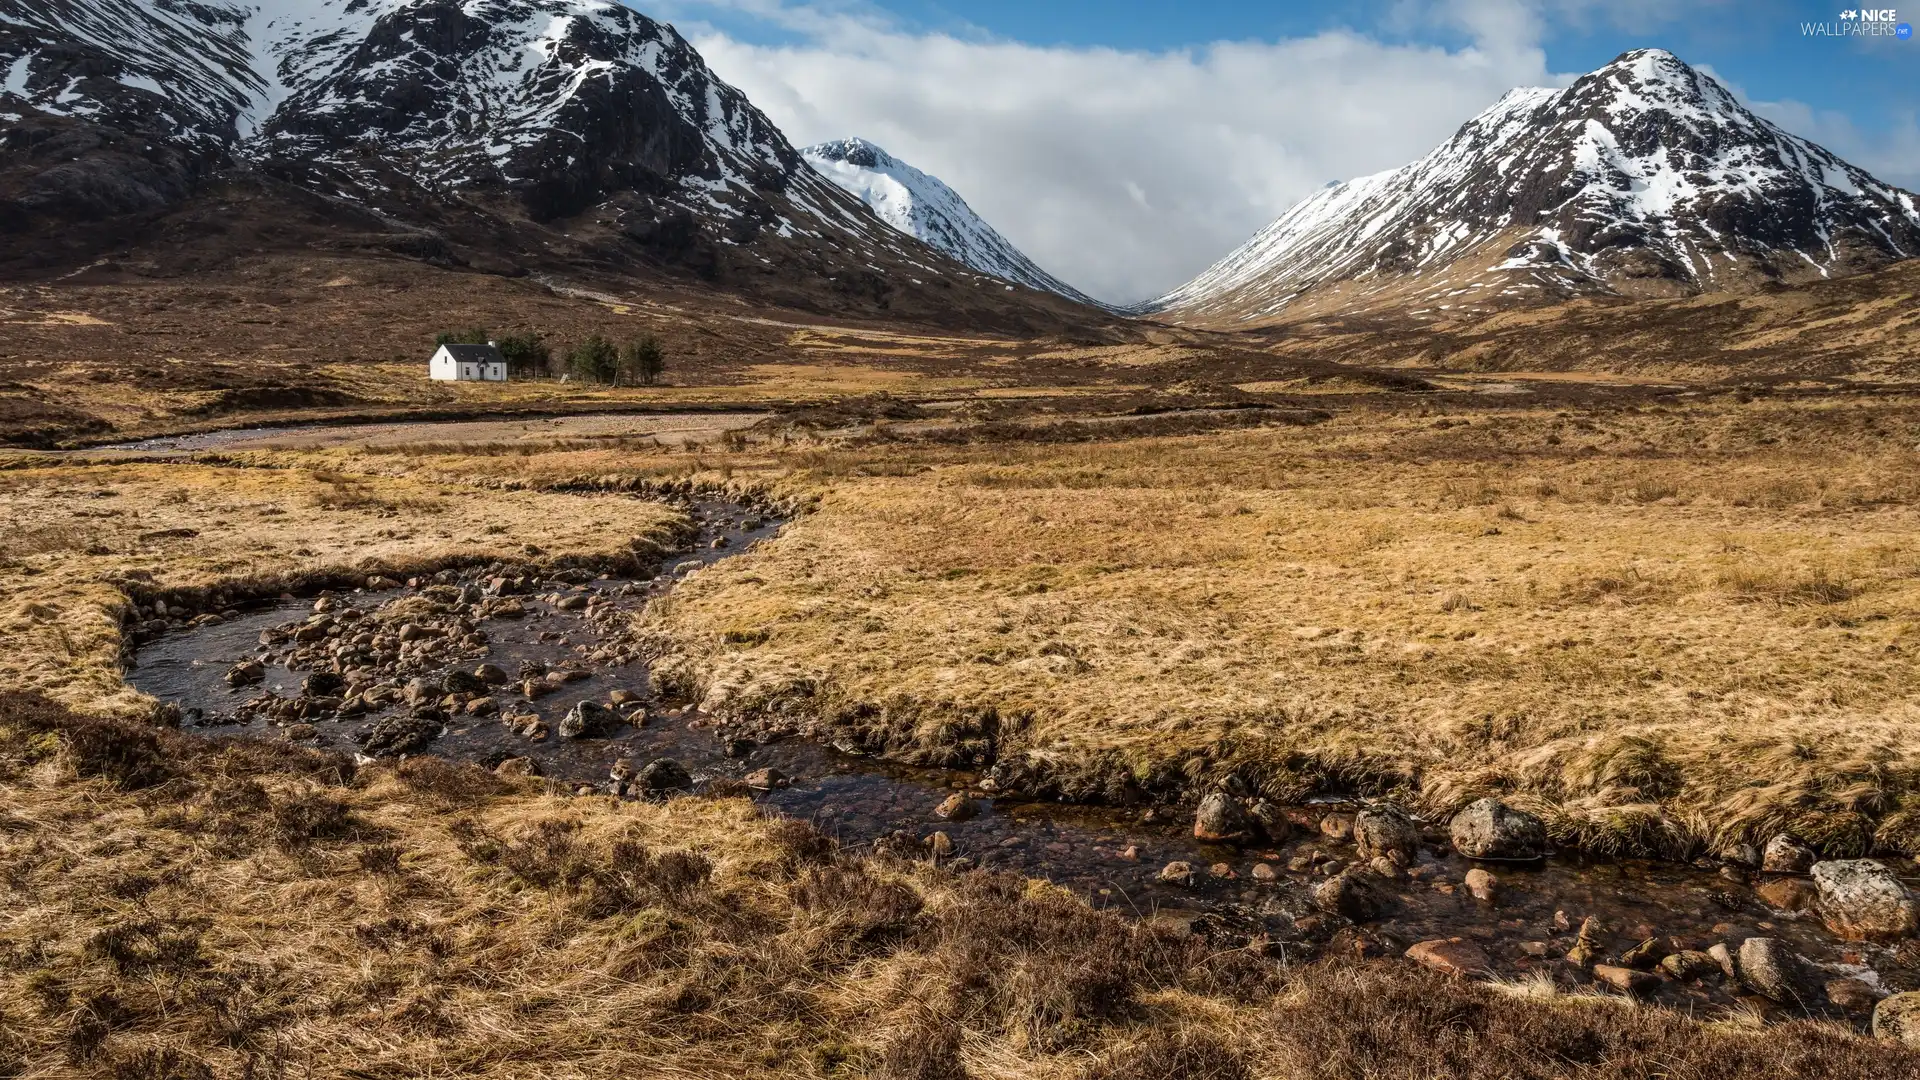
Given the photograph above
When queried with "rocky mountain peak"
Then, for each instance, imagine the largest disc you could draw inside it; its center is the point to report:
(1643, 178)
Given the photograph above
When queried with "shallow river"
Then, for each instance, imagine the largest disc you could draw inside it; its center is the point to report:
(1113, 857)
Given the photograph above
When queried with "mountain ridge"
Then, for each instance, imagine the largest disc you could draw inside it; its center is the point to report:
(1632, 181)
(509, 134)
(924, 206)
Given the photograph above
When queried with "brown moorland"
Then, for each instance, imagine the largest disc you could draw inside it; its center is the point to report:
(176, 907)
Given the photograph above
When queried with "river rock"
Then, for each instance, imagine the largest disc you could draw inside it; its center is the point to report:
(1271, 821)
(1725, 957)
(1177, 873)
(940, 845)
(1484, 886)
(1853, 995)
(517, 766)
(507, 609)
(1454, 956)
(588, 718)
(1353, 894)
(575, 602)
(1337, 826)
(1785, 855)
(246, 673)
(322, 684)
(1264, 872)
(1898, 1018)
(1625, 979)
(401, 735)
(1861, 900)
(1771, 969)
(1788, 894)
(491, 674)
(466, 682)
(1221, 819)
(1587, 946)
(1490, 829)
(663, 774)
(1385, 831)
(769, 778)
(1644, 955)
(1688, 964)
(956, 807)
(422, 690)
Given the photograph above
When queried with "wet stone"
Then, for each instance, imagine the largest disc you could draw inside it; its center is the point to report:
(1177, 873)
(1862, 900)
(956, 807)
(1625, 979)
(1337, 826)
(1898, 1019)
(1484, 886)
(663, 775)
(1490, 829)
(1785, 855)
(1385, 831)
(1453, 956)
(1774, 971)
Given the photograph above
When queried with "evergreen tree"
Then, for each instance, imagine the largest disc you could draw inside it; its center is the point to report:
(595, 358)
(526, 354)
(642, 361)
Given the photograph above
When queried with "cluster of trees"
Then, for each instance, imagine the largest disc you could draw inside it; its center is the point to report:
(639, 362)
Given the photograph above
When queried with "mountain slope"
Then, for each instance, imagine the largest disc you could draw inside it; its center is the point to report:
(511, 132)
(924, 206)
(1645, 178)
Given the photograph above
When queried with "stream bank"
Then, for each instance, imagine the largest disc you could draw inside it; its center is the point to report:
(537, 671)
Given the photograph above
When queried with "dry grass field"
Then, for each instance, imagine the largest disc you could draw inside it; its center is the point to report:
(1661, 627)
(176, 908)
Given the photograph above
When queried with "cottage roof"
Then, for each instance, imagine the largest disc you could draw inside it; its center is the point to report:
(470, 354)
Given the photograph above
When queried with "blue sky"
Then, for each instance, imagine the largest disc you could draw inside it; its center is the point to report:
(1125, 144)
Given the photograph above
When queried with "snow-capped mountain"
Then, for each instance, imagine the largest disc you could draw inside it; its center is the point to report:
(1644, 178)
(925, 207)
(585, 118)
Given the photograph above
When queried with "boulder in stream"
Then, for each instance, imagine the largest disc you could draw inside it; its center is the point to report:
(1785, 855)
(1862, 900)
(1221, 819)
(587, 719)
(246, 673)
(1770, 968)
(398, 735)
(1353, 893)
(1385, 831)
(1490, 829)
(663, 775)
(956, 807)
(1898, 1018)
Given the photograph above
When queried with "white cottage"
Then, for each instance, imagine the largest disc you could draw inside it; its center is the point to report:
(468, 363)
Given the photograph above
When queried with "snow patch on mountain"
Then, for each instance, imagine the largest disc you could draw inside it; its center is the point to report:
(924, 206)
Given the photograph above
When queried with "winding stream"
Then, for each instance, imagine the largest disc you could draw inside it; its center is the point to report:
(1112, 857)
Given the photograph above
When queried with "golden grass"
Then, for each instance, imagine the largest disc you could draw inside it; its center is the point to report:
(80, 534)
(180, 909)
(1662, 627)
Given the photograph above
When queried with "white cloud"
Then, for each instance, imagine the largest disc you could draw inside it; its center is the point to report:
(1124, 172)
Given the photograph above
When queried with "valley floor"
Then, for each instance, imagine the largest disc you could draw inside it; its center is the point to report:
(1666, 627)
